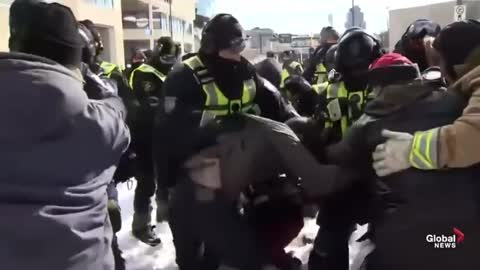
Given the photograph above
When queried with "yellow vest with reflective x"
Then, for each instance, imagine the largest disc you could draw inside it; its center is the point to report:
(285, 73)
(146, 69)
(108, 68)
(321, 74)
(216, 104)
(337, 97)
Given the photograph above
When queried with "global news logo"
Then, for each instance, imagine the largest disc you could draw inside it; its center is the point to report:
(446, 241)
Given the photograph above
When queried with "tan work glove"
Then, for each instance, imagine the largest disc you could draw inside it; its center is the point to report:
(393, 155)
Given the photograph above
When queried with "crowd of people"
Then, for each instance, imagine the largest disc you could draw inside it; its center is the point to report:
(236, 154)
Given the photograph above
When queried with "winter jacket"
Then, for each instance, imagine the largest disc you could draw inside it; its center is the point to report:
(271, 70)
(406, 207)
(251, 149)
(177, 129)
(455, 145)
(58, 151)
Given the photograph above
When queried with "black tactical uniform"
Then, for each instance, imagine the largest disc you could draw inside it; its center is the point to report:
(345, 101)
(316, 72)
(207, 86)
(147, 82)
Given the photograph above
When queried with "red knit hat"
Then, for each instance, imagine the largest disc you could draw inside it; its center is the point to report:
(393, 68)
(391, 59)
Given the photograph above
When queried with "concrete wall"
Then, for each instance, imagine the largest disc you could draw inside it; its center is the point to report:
(110, 26)
(4, 30)
(108, 20)
(442, 13)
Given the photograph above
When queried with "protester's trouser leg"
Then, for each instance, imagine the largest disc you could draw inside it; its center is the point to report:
(330, 250)
(277, 223)
(208, 218)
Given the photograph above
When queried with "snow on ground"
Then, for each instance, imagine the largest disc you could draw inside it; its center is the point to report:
(140, 256)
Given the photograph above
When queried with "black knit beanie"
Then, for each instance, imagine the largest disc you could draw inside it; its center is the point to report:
(44, 29)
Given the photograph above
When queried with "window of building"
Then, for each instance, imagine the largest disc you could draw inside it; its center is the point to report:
(5, 2)
(101, 3)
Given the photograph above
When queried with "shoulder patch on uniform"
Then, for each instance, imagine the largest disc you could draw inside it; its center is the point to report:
(148, 86)
(169, 104)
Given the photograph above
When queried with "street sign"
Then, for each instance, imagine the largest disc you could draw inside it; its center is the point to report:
(460, 13)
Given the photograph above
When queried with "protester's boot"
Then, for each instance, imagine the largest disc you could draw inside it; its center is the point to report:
(143, 230)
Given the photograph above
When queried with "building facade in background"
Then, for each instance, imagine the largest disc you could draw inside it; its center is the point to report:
(106, 14)
(442, 13)
(144, 21)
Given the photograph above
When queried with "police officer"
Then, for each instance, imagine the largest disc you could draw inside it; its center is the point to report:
(291, 66)
(316, 72)
(413, 42)
(93, 87)
(216, 82)
(348, 92)
(345, 101)
(147, 81)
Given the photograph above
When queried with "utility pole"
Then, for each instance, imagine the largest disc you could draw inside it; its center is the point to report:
(150, 24)
(170, 17)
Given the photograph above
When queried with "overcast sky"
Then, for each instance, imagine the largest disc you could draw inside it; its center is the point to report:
(309, 16)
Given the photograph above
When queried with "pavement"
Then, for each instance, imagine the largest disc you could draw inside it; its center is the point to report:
(140, 256)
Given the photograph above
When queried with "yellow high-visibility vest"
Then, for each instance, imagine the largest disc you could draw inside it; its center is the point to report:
(108, 68)
(338, 113)
(146, 69)
(216, 103)
(321, 74)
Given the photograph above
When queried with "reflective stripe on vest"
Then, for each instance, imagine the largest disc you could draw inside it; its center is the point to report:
(321, 74)
(320, 88)
(424, 152)
(146, 69)
(108, 68)
(336, 91)
(216, 104)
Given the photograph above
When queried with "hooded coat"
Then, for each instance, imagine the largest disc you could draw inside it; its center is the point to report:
(59, 152)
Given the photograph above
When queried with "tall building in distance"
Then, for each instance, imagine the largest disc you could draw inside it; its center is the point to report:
(206, 8)
(355, 17)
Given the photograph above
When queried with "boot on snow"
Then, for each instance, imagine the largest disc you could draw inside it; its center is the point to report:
(144, 231)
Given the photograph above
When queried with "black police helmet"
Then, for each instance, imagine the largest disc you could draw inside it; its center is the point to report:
(421, 28)
(222, 32)
(96, 35)
(456, 42)
(330, 57)
(89, 49)
(356, 51)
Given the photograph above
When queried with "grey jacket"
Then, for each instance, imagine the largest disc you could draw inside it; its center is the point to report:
(58, 152)
(260, 150)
